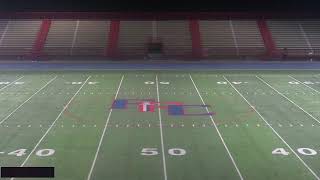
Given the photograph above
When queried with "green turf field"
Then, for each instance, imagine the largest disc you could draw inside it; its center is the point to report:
(266, 125)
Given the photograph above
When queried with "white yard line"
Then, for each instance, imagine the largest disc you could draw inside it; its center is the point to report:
(103, 133)
(11, 83)
(274, 131)
(288, 99)
(45, 134)
(215, 125)
(161, 133)
(304, 84)
(5, 118)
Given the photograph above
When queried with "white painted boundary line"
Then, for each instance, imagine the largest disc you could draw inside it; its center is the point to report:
(221, 138)
(274, 131)
(304, 84)
(5, 118)
(161, 133)
(11, 83)
(288, 99)
(45, 134)
(103, 133)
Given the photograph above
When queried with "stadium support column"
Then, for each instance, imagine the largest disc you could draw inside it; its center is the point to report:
(196, 38)
(41, 38)
(112, 47)
(267, 38)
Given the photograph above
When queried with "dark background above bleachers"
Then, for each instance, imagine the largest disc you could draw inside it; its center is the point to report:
(163, 5)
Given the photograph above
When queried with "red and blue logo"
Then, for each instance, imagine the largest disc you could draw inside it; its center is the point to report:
(173, 108)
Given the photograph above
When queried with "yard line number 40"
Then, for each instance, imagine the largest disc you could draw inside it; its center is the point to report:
(41, 152)
(303, 151)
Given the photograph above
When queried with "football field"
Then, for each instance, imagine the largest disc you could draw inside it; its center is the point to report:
(162, 125)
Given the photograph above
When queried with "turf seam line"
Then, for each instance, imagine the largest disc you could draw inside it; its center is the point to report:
(161, 133)
(11, 83)
(103, 132)
(5, 118)
(288, 99)
(53, 123)
(274, 131)
(304, 84)
(218, 131)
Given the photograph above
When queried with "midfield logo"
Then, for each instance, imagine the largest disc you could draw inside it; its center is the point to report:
(173, 108)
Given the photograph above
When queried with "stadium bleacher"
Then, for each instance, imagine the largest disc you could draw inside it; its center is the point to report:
(60, 38)
(237, 38)
(91, 38)
(133, 37)
(17, 37)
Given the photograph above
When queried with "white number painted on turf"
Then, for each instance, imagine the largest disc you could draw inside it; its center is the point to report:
(307, 151)
(164, 82)
(235, 82)
(76, 82)
(19, 152)
(302, 151)
(293, 82)
(222, 82)
(45, 152)
(149, 82)
(280, 151)
(308, 82)
(4, 83)
(149, 151)
(160, 82)
(93, 83)
(177, 152)
(154, 151)
(41, 152)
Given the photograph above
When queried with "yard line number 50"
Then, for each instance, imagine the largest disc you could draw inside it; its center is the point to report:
(154, 152)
